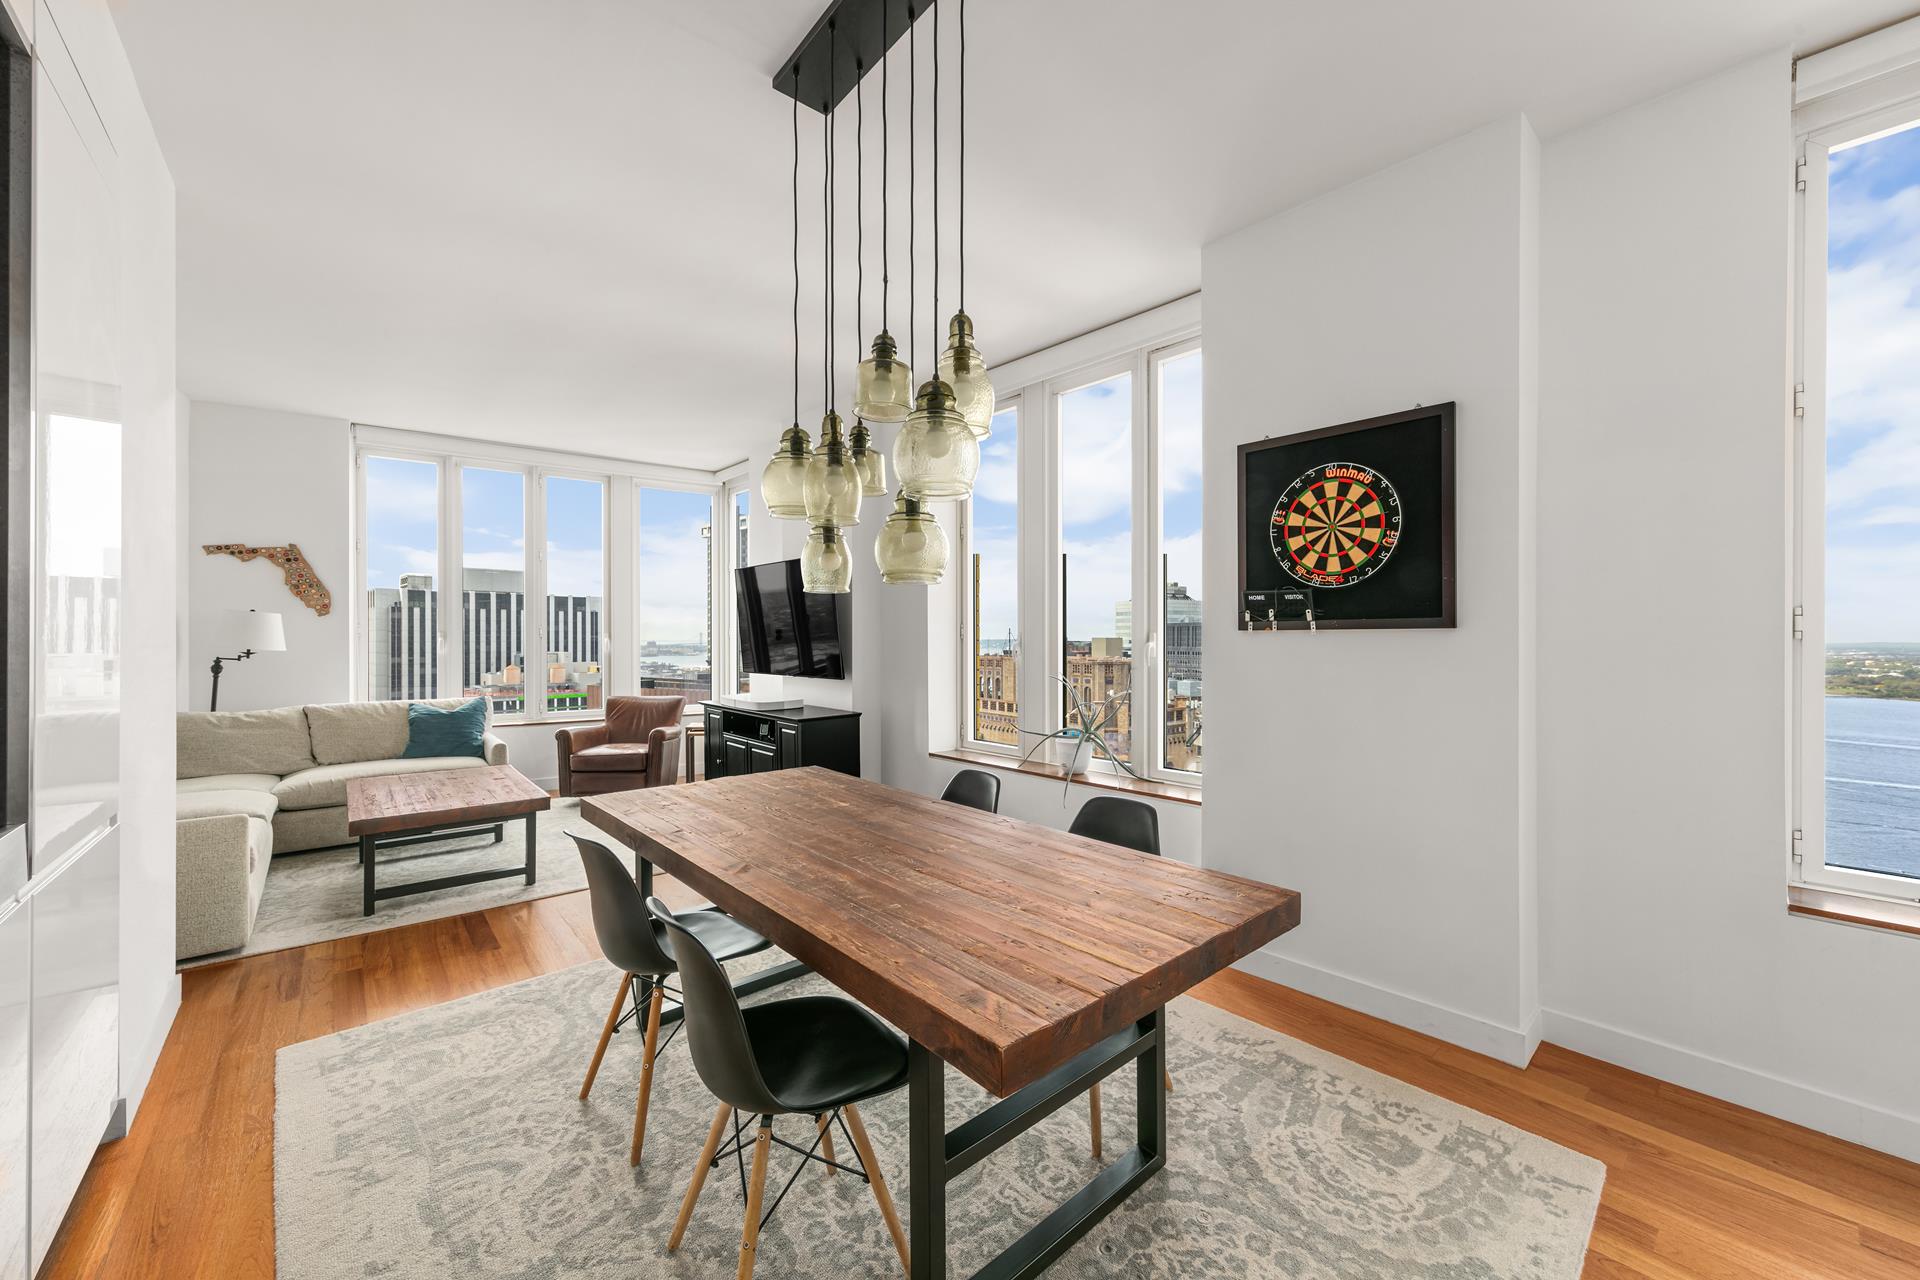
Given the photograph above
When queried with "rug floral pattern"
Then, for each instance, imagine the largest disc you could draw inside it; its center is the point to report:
(450, 1142)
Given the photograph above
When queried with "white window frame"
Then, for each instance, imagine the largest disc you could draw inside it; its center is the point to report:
(724, 596)
(1154, 552)
(1135, 346)
(963, 557)
(620, 482)
(1821, 127)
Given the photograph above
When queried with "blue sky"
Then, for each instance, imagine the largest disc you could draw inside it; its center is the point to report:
(1873, 391)
(1096, 507)
(402, 520)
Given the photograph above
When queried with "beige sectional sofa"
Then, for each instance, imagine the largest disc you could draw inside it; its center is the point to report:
(256, 783)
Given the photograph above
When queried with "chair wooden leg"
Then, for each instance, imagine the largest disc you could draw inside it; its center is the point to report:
(863, 1147)
(1093, 1113)
(646, 1073)
(720, 1119)
(606, 1034)
(756, 1188)
(1169, 1076)
(826, 1141)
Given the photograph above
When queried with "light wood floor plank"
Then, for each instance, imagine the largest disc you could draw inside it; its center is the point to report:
(1696, 1188)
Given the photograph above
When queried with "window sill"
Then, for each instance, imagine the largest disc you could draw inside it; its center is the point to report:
(1099, 781)
(1853, 909)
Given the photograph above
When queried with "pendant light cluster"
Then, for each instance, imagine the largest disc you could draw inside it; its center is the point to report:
(937, 453)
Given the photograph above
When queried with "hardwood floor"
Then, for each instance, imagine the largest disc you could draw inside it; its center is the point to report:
(1695, 1187)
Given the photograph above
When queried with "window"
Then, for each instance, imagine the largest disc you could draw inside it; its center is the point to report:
(1858, 667)
(540, 577)
(1096, 556)
(993, 577)
(493, 588)
(400, 509)
(576, 593)
(1081, 553)
(1177, 414)
(675, 612)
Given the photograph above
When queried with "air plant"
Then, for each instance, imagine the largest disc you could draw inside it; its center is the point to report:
(1092, 727)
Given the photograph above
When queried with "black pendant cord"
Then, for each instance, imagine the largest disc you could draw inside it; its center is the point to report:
(826, 234)
(936, 179)
(886, 192)
(859, 212)
(963, 155)
(796, 253)
(913, 190)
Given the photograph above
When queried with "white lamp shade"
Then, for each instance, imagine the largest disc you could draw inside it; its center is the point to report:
(251, 629)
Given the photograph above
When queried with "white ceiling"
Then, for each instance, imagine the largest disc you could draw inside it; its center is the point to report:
(568, 224)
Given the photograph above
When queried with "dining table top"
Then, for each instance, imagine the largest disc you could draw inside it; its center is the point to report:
(1003, 946)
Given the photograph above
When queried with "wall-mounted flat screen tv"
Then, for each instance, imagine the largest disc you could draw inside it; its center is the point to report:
(786, 631)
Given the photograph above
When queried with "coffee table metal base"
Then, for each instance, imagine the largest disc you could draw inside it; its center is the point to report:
(372, 844)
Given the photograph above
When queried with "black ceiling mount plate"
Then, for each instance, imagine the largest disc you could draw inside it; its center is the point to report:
(848, 40)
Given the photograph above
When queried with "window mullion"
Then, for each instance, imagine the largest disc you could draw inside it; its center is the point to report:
(534, 673)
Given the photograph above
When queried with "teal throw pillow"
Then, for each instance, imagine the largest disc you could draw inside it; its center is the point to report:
(446, 731)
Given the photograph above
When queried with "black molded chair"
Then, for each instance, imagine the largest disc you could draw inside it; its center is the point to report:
(1132, 824)
(810, 1055)
(637, 945)
(975, 788)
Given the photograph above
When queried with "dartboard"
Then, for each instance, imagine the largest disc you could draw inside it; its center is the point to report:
(1336, 525)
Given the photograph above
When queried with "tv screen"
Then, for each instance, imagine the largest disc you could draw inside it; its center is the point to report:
(786, 631)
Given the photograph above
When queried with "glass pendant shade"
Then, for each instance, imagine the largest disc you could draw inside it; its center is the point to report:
(963, 369)
(884, 390)
(825, 567)
(783, 485)
(833, 483)
(912, 547)
(937, 454)
(867, 460)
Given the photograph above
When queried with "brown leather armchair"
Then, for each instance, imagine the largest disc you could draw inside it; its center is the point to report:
(638, 745)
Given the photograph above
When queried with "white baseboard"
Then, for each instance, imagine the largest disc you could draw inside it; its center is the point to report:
(1513, 1045)
(142, 1067)
(1870, 1126)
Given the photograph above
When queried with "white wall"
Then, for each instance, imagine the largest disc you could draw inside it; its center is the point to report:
(149, 988)
(1403, 814)
(268, 478)
(1664, 777)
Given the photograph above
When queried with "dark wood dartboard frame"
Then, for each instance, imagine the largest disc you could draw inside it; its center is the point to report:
(1446, 617)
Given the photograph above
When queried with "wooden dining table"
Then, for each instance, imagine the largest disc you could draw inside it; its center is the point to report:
(1034, 962)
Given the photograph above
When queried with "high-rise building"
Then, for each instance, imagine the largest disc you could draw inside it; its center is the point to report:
(403, 659)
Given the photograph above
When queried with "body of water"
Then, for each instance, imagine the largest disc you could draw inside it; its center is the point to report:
(1873, 785)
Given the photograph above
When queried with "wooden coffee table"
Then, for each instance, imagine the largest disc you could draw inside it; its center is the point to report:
(407, 808)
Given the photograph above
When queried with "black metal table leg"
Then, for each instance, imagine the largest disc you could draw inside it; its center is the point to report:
(533, 842)
(936, 1156)
(366, 874)
(926, 1164)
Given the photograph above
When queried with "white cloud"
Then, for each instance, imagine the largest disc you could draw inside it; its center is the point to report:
(673, 582)
(1892, 516)
(999, 478)
(1099, 575)
(1096, 452)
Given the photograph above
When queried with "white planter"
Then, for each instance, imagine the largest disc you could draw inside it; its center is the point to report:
(1082, 756)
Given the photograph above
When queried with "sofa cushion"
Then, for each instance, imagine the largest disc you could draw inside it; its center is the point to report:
(211, 804)
(228, 782)
(446, 731)
(210, 742)
(349, 732)
(623, 757)
(326, 785)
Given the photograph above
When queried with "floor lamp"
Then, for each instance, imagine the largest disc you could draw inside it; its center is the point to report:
(252, 632)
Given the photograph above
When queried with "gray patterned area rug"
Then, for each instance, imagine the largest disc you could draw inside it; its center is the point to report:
(315, 896)
(450, 1141)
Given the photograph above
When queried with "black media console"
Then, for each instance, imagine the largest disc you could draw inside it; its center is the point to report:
(756, 739)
